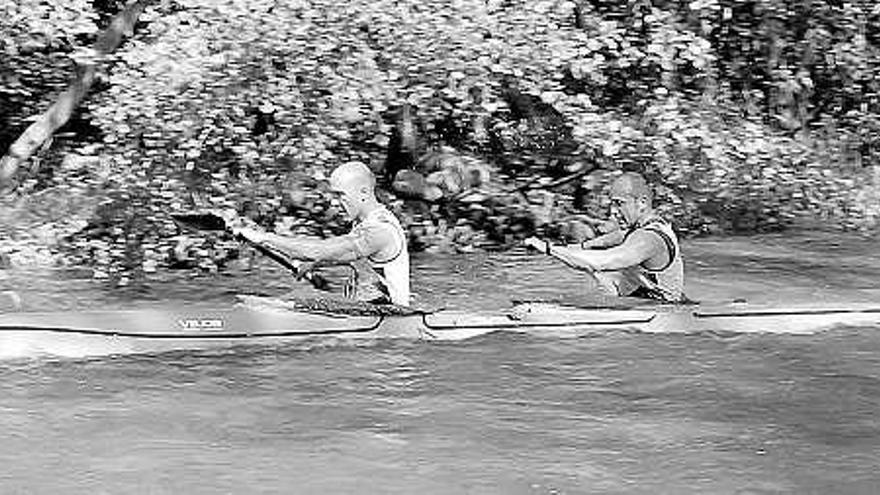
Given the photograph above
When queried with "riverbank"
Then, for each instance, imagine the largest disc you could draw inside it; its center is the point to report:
(741, 118)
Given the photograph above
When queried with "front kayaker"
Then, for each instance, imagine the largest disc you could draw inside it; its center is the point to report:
(376, 237)
(641, 259)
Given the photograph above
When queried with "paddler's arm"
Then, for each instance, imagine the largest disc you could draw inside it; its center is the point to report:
(637, 248)
(562, 253)
(342, 249)
(610, 235)
(609, 239)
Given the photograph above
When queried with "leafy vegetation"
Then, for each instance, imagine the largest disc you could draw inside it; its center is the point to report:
(485, 120)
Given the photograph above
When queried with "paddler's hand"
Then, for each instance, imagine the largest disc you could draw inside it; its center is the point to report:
(227, 214)
(306, 270)
(304, 267)
(231, 219)
(537, 244)
(608, 226)
(250, 234)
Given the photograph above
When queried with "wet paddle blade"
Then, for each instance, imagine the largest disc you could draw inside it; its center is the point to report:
(204, 221)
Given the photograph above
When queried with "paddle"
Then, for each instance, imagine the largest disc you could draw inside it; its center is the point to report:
(207, 221)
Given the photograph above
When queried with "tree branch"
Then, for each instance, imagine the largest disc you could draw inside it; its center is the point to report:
(60, 112)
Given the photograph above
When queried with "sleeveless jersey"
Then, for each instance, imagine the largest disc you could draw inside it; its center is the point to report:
(393, 270)
(664, 283)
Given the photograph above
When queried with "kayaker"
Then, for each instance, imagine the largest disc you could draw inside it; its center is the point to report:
(377, 236)
(640, 259)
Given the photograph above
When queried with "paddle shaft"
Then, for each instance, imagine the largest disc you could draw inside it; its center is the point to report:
(209, 221)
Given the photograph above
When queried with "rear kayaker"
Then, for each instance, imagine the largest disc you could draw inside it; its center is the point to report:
(641, 258)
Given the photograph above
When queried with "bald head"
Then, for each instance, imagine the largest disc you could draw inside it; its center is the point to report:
(354, 185)
(630, 199)
(633, 185)
(352, 176)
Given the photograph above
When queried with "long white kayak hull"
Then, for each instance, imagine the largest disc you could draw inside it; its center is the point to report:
(78, 334)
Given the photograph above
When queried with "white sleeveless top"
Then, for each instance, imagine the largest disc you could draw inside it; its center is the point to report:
(393, 270)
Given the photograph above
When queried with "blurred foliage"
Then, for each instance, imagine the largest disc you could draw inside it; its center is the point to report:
(747, 114)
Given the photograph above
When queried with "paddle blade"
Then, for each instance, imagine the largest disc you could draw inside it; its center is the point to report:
(204, 221)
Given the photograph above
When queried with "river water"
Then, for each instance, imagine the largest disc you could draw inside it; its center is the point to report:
(622, 413)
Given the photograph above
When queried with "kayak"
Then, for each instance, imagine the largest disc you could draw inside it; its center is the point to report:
(267, 321)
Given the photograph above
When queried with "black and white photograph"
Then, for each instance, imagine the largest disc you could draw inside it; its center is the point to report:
(483, 247)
